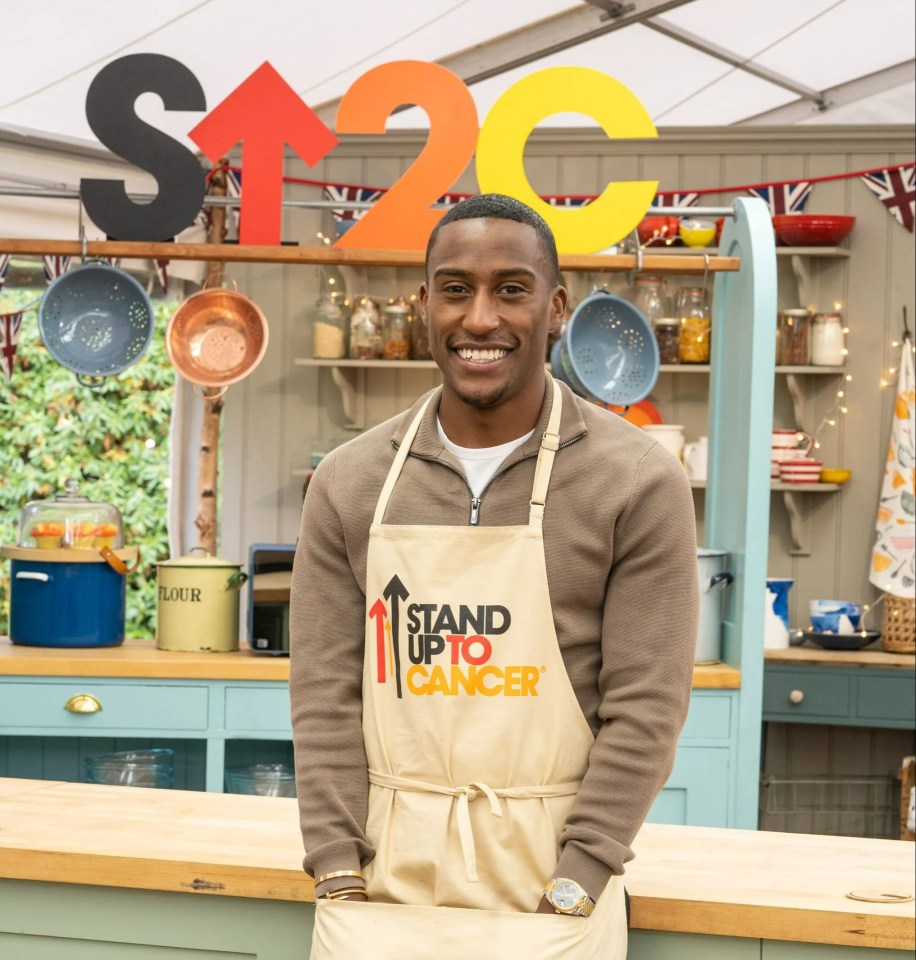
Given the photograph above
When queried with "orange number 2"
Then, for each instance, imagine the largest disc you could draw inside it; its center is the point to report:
(402, 219)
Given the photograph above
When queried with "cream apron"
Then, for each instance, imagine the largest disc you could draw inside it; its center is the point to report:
(476, 746)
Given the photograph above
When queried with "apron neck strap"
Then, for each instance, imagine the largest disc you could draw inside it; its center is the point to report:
(550, 443)
(398, 464)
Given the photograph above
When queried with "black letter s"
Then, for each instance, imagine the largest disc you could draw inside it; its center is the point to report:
(110, 112)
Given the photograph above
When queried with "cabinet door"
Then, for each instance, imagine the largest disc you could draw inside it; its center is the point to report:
(697, 791)
(786, 950)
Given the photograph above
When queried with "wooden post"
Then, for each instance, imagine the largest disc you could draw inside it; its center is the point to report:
(208, 472)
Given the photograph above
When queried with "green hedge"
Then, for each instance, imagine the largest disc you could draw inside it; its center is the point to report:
(113, 440)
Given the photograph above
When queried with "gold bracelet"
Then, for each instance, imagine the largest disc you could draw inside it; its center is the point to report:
(339, 873)
(343, 894)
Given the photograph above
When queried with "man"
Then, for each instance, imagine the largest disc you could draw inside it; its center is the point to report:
(493, 621)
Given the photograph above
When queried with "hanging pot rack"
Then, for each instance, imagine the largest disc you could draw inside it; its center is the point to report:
(642, 260)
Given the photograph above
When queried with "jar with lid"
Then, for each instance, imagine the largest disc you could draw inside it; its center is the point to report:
(70, 521)
(419, 343)
(328, 330)
(828, 340)
(692, 313)
(653, 301)
(793, 329)
(397, 323)
(365, 330)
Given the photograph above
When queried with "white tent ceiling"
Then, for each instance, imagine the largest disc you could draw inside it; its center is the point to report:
(691, 62)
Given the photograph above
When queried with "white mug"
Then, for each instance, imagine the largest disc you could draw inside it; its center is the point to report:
(696, 455)
(669, 435)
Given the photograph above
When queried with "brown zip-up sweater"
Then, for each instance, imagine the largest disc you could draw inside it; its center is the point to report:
(620, 547)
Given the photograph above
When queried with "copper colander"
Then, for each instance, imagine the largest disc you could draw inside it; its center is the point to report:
(216, 337)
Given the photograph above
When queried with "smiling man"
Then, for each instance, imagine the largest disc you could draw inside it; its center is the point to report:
(493, 621)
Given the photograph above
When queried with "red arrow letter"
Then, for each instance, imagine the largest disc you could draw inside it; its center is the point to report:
(264, 112)
(379, 613)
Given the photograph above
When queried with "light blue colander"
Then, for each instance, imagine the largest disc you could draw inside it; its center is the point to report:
(607, 352)
(96, 320)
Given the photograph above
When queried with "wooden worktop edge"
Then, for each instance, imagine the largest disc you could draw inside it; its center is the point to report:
(648, 913)
(103, 870)
(140, 659)
(773, 923)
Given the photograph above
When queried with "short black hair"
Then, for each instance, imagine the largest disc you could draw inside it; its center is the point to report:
(500, 207)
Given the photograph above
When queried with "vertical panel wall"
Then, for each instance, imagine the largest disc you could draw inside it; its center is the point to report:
(275, 418)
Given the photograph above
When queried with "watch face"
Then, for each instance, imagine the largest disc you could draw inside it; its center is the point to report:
(566, 895)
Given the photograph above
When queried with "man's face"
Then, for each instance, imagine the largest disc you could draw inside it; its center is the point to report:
(490, 301)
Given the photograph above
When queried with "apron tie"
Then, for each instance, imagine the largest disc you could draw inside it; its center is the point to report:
(465, 796)
(465, 829)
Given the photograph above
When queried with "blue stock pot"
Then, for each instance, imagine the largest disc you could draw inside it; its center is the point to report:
(68, 574)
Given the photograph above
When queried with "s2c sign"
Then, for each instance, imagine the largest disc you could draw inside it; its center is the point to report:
(264, 113)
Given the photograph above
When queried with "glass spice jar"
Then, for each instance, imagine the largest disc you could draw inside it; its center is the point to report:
(668, 335)
(695, 328)
(365, 330)
(651, 298)
(828, 340)
(328, 330)
(397, 320)
(792, 338)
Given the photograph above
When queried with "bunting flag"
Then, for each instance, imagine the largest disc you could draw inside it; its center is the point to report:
(675, 199)
(10, 325)
(162, 272)
(55, 266)
(4, 267)
(894, 187)
(350, 194)
(561, 201)
(893, 559)
(234, 189)
(784, 197)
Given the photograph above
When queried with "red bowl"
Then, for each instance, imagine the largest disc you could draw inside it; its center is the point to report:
(812, 230)
(659, 229)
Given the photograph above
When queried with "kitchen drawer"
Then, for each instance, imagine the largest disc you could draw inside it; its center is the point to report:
(256, 709)
(709, 717)
(886, 698)
(818, 695)
(125, 706)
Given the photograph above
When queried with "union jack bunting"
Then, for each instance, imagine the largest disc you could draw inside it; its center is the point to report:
(671, 198)
(561, 201)
(784, 197)
(341, 191)
(452, 198)
(55, 266)
(10, 325)
(895, 189)
(4, 267)
(234, 189)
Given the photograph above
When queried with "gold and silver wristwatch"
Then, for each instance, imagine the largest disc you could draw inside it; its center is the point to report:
(566, 896)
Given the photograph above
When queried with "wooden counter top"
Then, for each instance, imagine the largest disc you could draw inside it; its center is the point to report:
(140, 658)
(810, 654)
(689, 879)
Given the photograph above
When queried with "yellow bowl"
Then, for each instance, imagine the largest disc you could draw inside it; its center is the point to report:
(835, 475)
(697, 233)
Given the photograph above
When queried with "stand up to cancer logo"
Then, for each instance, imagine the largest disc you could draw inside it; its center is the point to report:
(442, 648)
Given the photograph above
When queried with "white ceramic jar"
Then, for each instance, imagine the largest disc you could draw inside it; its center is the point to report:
(669, 435)
(828, 342)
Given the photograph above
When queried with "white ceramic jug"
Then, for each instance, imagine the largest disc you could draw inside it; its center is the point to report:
(669, 435)
(695, 457)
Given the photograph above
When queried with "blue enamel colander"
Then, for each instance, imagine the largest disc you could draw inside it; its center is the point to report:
(95, 320)
(607, 351)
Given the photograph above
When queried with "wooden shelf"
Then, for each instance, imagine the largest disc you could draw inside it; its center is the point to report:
(238, 253)
(777, 486)
(780, 251)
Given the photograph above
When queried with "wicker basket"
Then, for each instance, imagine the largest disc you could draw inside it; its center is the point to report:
(899, 632)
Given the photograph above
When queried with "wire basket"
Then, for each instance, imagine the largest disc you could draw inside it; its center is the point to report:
(831, 805)
(898, 634)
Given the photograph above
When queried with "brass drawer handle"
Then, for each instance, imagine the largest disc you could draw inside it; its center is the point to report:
(83, 703)
(796, 696)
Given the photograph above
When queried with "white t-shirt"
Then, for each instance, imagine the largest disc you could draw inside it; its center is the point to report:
(480, 463)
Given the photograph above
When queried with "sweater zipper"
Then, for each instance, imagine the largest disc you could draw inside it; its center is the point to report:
(475, 500)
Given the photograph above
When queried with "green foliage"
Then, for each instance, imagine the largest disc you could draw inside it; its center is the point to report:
(113, 440)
